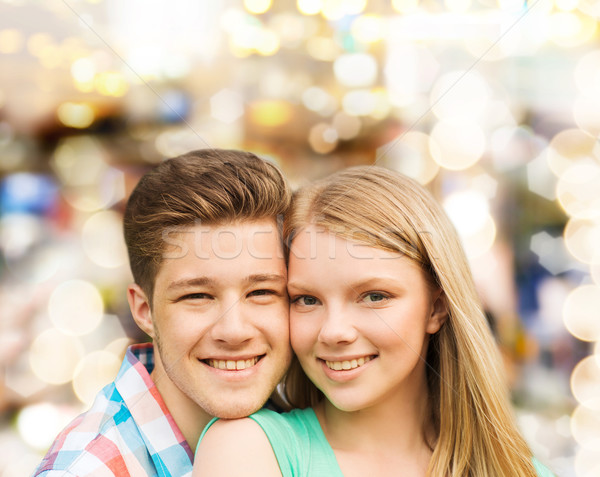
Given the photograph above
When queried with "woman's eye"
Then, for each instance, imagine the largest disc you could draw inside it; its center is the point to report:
(305, 300)
(374, 297)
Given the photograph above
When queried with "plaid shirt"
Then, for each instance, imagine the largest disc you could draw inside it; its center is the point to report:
(127, 432)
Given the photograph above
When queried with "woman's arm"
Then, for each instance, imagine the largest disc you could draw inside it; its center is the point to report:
(235, 447)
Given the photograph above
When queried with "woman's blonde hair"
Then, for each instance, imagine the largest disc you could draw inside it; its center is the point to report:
(476, 434)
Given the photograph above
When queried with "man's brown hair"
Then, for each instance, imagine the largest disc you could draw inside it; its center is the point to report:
(207, 186)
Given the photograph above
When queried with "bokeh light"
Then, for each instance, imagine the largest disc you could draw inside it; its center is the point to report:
(469, 212)
(582, 238)
(309, 7)
(323, 138)
(581, 313)
(585, 382)
(355, 69)
(410, 154)
(457, 145)
(54, 367)
(347, 126)
(38, 424)
(93, 372)
(76, 307)
(568, 147)
(460, 94)
(585, 427)
(270, 113)
(102, 239)
(76, 115)
(257, 6)
(587, 462)
(578, 189)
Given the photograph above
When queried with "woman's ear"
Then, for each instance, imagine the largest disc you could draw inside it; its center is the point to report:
(140, 308)
(439, 312)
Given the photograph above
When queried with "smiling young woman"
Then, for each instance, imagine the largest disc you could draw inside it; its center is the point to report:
(396, 369)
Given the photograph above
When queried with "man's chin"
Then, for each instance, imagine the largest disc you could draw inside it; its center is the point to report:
(236, 410)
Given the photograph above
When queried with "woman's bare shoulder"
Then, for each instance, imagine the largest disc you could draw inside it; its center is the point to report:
(235, 447)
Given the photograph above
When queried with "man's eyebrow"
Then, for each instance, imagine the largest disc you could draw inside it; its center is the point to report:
(190, 282)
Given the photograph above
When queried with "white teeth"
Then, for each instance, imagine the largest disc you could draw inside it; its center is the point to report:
(345, 365)
(232, 365)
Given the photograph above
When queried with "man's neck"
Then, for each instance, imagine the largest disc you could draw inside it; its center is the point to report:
(189, 417)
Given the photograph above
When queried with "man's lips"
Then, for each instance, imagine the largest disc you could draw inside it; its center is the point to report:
(232, 364)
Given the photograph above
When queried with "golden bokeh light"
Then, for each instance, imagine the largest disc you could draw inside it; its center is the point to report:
(355, 69)
(368, 28)
(581, 313)
(590, 8)
(405, 6)
(585, 427)
(38, 424)
(257, 6)
(102, 239)
(322, 48)
(94, 371)
(457, 145)
(587, 463)
(111, 83)
(76, 115)
(347, 126)
(585, 382)
(468, 211)
(37, 42)
(410, 154)
(360, 102)
(578, 189)
(568, 147)
(457, 6)
(76, 307)
(587, 72)
(323, 138)
(570, 29)
(595, 268)
(48, 363)
(585, 111)
(460, 94)
(337, 9)
(566, 5)
(582, 238)
(270, 113)
(309, 7)
(11, 41)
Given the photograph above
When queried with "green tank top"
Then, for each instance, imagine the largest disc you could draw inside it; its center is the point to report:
(301, 448)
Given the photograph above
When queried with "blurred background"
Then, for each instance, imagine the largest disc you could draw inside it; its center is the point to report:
(493, 104)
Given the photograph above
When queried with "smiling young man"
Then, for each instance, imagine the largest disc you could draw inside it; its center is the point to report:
(210, 290)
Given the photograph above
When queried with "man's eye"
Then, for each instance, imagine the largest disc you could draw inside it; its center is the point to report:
(305, 300)
(196, 296)
(261, 292)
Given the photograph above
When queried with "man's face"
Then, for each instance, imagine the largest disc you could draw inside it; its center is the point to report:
(220, 317)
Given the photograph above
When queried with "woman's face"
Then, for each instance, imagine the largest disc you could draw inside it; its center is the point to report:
(360, 318)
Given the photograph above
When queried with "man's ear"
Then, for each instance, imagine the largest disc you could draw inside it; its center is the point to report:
(439, 312)
(140, 308)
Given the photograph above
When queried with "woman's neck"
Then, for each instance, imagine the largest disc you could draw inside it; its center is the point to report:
(391, 434)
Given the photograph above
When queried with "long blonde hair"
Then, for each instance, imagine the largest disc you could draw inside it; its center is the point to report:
(476, 434)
